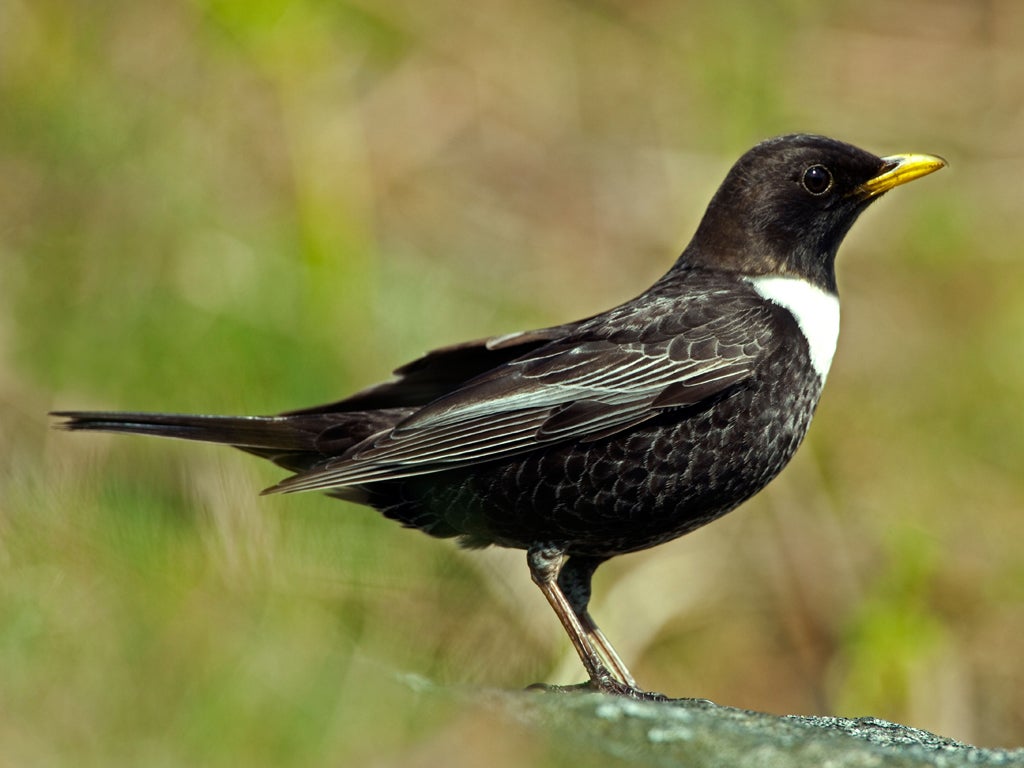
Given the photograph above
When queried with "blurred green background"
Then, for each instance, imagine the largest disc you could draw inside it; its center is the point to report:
(251, 206)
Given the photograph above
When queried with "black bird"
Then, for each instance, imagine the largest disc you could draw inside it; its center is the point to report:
(614, 433)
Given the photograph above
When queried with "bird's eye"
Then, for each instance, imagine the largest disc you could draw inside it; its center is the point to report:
(817, 180)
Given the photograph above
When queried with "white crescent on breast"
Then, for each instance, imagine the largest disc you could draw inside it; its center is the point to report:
(815, 310)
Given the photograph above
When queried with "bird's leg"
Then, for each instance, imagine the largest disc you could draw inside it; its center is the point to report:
(545, 564)
(574, 581)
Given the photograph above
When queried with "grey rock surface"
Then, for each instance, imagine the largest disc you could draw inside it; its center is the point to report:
(698, 733)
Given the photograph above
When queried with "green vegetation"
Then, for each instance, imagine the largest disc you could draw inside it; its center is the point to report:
(247, 207)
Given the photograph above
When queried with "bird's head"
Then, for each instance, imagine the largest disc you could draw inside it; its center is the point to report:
(786, 205)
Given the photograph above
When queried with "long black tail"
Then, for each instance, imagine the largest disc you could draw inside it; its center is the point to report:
(240, 431)
(293, 441)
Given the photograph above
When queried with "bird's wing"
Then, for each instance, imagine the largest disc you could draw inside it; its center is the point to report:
(581, 390)
(439, 372)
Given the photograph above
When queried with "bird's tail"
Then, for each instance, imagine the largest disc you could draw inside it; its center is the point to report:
(293, 441)
(240, 431)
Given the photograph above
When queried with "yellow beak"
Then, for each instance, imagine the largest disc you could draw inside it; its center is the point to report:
(899, 169)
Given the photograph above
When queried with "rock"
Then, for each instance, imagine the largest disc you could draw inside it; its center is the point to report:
(696, 733)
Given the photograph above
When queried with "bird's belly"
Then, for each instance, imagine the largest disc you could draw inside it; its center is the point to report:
(627, 492)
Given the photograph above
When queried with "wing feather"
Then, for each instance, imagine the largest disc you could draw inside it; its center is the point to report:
(580, 387)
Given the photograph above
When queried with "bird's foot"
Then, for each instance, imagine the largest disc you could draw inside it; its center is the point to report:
(603, 685)
(619, 688)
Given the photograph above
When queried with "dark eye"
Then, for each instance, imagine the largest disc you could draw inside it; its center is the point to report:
(817, 180)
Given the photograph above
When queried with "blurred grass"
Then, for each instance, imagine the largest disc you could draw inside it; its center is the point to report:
(251, 207)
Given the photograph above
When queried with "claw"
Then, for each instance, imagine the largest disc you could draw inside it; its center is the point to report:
(607, 685)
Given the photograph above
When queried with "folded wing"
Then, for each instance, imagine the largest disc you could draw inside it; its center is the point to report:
(578, 388)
